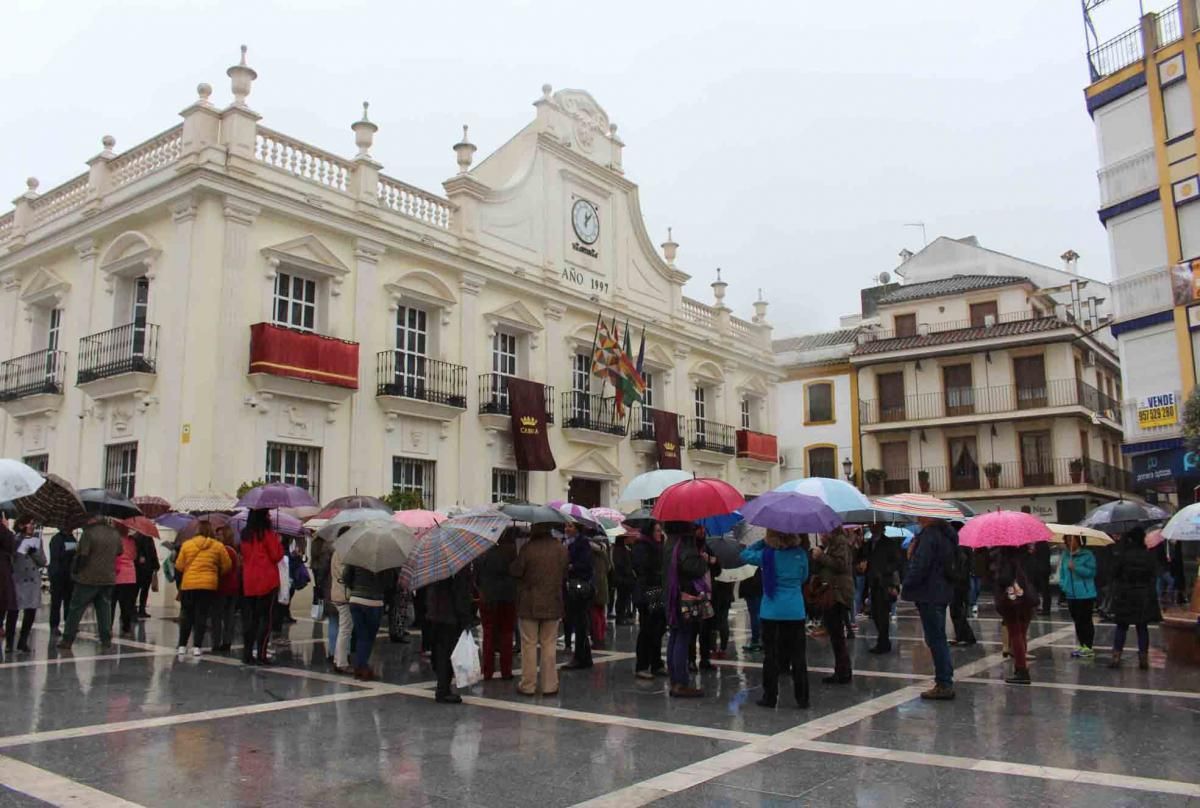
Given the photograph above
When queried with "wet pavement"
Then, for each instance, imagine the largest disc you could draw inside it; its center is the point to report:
(135, 725)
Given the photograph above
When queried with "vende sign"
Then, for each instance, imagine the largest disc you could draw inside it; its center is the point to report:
(1159, 410)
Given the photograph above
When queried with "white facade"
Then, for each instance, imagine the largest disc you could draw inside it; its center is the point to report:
(187, 240)
(816, 423)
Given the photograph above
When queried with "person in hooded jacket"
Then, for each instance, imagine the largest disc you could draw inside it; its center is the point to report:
(884, 555)
(646, 559)
(1016, 599)
(27, 562)
(784, 564)
(927, 585)
(202, 561)
(62, 556)
(1077, 580)
(686, 587)
(261, 551)
(1134, 597)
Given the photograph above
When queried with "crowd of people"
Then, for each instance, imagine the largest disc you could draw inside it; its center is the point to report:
(544, 581)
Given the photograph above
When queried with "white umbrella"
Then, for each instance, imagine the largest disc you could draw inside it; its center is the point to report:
(1184, 525)
(18, 479)
(651, 484)
(376, 545)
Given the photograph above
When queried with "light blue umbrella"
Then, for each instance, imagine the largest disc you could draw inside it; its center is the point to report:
(840, 496)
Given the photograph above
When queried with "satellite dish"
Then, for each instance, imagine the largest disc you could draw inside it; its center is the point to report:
(883, 277)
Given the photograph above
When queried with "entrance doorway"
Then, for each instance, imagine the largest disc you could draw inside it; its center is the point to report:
(585, 492)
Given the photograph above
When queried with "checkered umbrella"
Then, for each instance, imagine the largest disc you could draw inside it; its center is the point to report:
(152, 507)
(56, 504)
(452, 545)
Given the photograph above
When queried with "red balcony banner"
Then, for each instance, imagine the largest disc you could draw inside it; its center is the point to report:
(531, 443)
(285, 352)
(757, 446)
(666, 439)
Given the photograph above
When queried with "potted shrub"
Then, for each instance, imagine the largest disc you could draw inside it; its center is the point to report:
(1076, 468)
(992, 472)
(923, 480)
(875, 478)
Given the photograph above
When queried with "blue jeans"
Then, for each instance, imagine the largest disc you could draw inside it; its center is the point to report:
(331, 631)
(933, 622)
(366, 626)
(976, 585)
(860, 593)
(752, 606)
(679, 640)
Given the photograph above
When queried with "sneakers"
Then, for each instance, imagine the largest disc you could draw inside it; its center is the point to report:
(975, 611)
(181, 650)
(197, 651)
(939, 693)
(644, 675)
(1083, 652)
(1019, 677)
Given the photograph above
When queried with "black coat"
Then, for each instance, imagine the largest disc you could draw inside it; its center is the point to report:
(61, 558)
(751, 587)
(8, 548)
(622, 559)
(1011, 566)
(884, 556)
(1134, 595)
(449, 602)
(496, 584)
(646, 558)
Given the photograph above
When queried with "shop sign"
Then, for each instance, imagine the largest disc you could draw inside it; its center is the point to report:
(1158, 410)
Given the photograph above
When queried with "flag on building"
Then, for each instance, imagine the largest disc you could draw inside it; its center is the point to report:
(604, 354)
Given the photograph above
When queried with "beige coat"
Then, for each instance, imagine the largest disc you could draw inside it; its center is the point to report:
(540, 569)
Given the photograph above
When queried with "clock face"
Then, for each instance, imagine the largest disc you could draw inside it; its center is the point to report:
(586, 220)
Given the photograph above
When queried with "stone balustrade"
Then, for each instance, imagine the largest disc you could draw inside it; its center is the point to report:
(156, 153)
(60, 201)
(302, 160)
(410, 201)
(697, 312)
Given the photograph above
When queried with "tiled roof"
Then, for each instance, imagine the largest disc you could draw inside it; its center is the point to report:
(807, 342)
(950, 286)
(1011, 329)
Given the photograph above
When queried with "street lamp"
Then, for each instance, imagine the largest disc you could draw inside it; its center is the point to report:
(848, 469)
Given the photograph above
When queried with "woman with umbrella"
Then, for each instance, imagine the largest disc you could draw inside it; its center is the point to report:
(261, 551)
(202, 561)
(126, 588)
(784, 565)
(1077, 579)
(27, 562)
(646, 559)
(498, 595)
(834, 564)
(581, 589)
(1134, 598)
(688, 597)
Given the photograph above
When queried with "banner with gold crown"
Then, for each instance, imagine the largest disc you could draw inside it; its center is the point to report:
(531, 443)
(666, 439)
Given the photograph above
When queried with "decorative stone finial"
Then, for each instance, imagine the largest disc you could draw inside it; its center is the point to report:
(108, 141)
(242, 78)
(612, 130)
(364, 133)
(669, 248)
(203, 91)
(32, 184)
(546, 90)
(718, 287)
(760, 308)
(464, 150)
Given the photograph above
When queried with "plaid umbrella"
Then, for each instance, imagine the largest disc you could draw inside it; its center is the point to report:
(152, 507)
(205, 501)
(56, 504)
(452, 545)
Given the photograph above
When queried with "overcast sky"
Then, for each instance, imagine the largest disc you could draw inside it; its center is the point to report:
(786, 142)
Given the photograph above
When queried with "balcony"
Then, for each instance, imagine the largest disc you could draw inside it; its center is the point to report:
(411, 384)
(300, 364)
(32, 383)
(1149, 292)
(710, 441)
(590, 418)
(1128, 177)
(493, 401)
(1119, 52)
(969, 479)
(756, 450)
(642, 433)
(118, 362)
(967, 404)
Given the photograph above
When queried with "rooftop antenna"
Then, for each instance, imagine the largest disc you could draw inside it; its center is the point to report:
(921, 225)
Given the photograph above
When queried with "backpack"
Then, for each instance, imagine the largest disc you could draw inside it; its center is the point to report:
(958, 569)
(299, 574)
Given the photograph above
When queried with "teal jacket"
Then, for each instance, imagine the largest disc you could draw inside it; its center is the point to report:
(1080, 584)
(791, 571)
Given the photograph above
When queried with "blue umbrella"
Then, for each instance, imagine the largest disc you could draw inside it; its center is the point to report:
(790, 513)
(839, 495)
(719, 525)
(174, 520)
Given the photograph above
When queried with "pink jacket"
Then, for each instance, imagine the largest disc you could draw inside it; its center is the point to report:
(126, 574)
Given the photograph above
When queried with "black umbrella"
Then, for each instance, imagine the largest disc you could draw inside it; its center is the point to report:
(640, 518)
(56, 504)
(8, 509)
(99, 502)
(533, 514)
(1122, 515)
(963, 507)
(728, 551)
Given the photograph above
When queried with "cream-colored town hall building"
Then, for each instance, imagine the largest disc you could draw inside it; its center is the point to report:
(225, 302)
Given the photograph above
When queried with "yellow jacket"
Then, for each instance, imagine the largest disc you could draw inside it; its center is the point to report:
(202, 561)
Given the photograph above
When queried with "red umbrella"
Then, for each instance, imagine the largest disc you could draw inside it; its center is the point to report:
(153, 507)
(695, 499)
(140, 524)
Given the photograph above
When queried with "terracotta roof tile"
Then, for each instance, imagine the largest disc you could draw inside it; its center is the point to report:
(949, 286)
(1011, 329)
(807, 342)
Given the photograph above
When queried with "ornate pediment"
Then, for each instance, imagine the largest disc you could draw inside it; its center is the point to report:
(591, 463)
(44, 289)
(755, 385)
(515, 315)
(309, 253)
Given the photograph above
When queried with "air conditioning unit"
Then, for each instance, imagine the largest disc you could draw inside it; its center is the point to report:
(989, 320)
(1089, 358)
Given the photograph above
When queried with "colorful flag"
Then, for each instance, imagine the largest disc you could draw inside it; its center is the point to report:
(633, 386)
(604, 355)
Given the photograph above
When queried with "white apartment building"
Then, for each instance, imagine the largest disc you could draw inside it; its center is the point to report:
(225, 302)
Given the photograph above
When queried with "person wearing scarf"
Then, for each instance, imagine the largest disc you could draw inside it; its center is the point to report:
(784, 565)
(685, 584)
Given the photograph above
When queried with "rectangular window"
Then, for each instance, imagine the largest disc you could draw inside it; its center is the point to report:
(964, 464)
(1177, 109)
(412, 344)
(295, 302)
(905, 325)
(53, 329)
(1189, 229)
(822, 462)
(983, 314)
(1037, 467)
(510, 485)
(818, 403)
(141, 309)
(700, 409)
(1030, 375)
(960, 396)
(37, 462)
(891, 396)
(581, 382)
(120, 468)
(745, 413)
(294, 465)
(504, 363)
(416, 476)
(895, 467)
(647, 403)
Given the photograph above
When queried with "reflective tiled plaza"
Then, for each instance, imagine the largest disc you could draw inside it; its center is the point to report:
(134, 725)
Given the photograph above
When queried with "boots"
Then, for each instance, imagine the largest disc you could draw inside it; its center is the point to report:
(1020, 677)
(1144, 660)
(939, 693)
(1115, 662)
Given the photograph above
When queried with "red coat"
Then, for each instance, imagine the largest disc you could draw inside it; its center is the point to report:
(260, 573)
(231, 582)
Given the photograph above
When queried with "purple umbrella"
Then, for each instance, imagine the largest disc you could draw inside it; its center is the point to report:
(282, 523)
(277, 495)
(790, 513)
(175, 521)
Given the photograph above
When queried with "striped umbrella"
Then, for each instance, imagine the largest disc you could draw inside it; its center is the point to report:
(56, 504)
(580, 515)
(918, 505)
(452, 545)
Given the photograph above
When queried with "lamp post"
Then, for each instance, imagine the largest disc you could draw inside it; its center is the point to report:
(848, 469)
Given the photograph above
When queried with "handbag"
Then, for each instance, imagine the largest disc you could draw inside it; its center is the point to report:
(579, 590)
(154, 582)
(654, 597)
(317, 612)
(818, 594)
(697, 610)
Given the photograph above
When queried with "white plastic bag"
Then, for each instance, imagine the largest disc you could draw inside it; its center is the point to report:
(285, 581)
(465, 661)
(317, 612)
